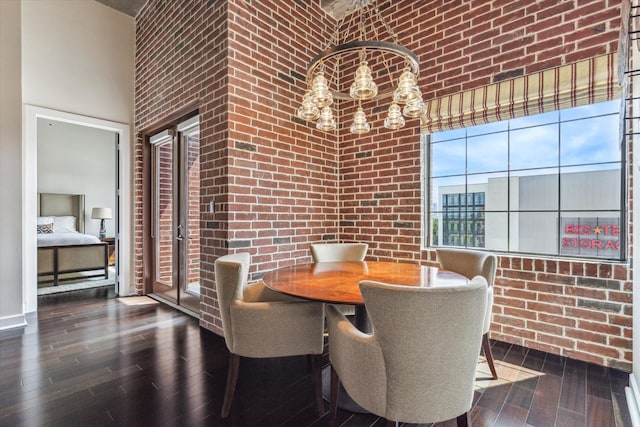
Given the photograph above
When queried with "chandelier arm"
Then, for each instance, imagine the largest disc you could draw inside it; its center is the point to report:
(370, 10)
(375, 32)
(334, 74)
(394, 36)
(351, 23)
(361, 24)
(353, 54)
(340, 50)
(335, 36)
(386, 65)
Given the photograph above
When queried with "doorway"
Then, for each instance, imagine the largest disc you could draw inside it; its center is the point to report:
(174, 228)
(76, 164)
(32, 114)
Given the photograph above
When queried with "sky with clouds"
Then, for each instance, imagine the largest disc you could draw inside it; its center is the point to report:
(588, 134)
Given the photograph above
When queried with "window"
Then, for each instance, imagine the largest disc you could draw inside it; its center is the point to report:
(463, 219)
(549, 184)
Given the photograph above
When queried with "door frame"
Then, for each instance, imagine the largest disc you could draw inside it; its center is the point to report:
(169, 121)
(31, 114)
(173, 130)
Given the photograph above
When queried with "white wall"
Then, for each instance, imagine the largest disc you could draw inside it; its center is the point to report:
(78, 57)
(77, 67)
(11, 298)
(76, 159)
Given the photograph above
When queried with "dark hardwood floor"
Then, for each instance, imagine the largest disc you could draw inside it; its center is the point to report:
(90, 359)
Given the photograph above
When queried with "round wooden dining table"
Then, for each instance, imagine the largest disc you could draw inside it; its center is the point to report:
(338, 282)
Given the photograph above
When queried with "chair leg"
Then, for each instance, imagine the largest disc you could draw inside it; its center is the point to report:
(463, 420)
(486, 348)
(316, 364)
(333, 400)
(232, 379)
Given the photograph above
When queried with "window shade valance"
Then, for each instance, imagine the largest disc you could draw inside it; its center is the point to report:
(571, 85)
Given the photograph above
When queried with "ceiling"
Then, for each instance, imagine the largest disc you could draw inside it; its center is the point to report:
(129, 7)
(338, 9)
(335, 8)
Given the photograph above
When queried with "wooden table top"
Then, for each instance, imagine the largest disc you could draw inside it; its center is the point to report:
(337, 282)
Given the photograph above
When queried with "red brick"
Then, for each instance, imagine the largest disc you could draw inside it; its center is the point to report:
(586, 336)
(598, 349)
(584, 356)
(312, 182)
(545, 308)
(547, 328)
(556, 320)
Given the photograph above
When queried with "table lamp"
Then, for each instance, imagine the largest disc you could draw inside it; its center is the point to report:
(101, 214)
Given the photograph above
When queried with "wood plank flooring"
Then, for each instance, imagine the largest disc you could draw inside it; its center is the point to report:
(91, 359)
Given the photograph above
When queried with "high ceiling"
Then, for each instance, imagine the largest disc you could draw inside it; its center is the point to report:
(339, 8)
(129, 7)
(335, 8)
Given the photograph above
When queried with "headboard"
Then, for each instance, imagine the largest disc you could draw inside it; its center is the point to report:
(50, 204)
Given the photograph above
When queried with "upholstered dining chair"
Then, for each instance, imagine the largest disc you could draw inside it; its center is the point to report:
(333, 252)
(471, 263)
(261, 323)
(419, 363)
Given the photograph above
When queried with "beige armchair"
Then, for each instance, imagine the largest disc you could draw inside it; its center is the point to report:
(259, 322)
(333, 252)
(471, 263)
(419, 364)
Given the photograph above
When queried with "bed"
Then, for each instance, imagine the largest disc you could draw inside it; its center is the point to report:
(62, 245)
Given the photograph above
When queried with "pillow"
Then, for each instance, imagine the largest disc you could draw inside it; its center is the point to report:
(45, 220)
(45, 228)
(64, 224)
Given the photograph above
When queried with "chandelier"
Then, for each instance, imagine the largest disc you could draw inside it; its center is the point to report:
(352, 68)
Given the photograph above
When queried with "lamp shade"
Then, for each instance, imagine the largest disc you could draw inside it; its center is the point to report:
(101, 213)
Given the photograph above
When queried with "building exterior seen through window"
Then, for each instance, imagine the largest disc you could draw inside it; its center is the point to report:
(463, 219)
(550, 184)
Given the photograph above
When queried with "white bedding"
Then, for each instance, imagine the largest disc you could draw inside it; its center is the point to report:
(64, 239)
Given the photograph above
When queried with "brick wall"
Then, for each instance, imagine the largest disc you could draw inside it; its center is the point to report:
(274, 183)
(279, 185)
(181, 58)
(574, 308)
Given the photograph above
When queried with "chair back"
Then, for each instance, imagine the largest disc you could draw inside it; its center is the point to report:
(231, 272)
(468, 262)
(471, 263)
(430, 339)
(333, 252)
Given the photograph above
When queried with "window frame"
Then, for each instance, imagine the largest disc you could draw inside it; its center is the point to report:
(427, 182)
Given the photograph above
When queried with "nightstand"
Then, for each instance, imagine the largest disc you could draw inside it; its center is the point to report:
(111, 241)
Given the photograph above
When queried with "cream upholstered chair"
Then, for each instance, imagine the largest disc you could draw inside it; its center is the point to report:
(333, 252)
(259, 322)
(419, 364)
(471, 263)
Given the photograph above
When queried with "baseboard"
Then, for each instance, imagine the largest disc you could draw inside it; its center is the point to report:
(10, 322)
(633, 399)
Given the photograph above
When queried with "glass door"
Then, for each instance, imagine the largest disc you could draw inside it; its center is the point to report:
(175, 230)
(189, 223)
